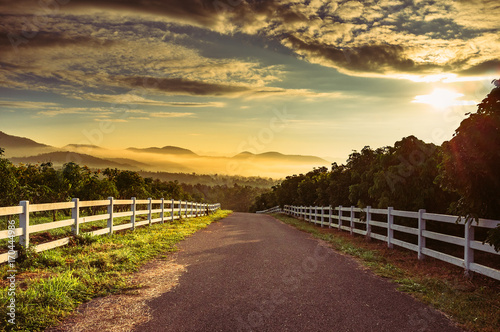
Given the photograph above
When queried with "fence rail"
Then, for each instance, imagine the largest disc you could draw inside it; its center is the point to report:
(168, 210)
(275, 209)
(360, 221)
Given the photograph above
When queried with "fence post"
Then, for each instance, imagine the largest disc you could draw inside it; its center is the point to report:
(329, 216)
(421, 237)
(24, 223)
(390, 231)
(172, 212)
(186, 210)
(162, 213)
(322, 215)
(468, 251)
(110, 212)
(340, 217)
(150, 210)
(133, 216)
(368, 221)
(352, 221)
(75, 214)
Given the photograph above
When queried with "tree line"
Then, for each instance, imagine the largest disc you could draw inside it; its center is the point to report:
(43, 183)
(461, 177)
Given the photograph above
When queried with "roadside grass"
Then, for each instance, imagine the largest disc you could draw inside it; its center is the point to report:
(51, 284)
(474, 304)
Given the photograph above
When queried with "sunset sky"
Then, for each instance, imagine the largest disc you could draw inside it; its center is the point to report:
(220, 77)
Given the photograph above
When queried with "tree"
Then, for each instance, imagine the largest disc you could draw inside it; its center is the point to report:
(8, 182)
(471, 164)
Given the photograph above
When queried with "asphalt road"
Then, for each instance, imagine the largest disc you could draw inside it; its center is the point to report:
(251, 272)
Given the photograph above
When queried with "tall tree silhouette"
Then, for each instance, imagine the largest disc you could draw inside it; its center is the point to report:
(471, 163)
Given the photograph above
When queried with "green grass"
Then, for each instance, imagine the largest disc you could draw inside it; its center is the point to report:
(474, 304)
(51, 284)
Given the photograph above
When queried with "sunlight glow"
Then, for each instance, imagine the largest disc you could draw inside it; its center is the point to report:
(443, 98)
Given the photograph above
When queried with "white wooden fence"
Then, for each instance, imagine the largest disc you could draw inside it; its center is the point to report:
(168, 210)
(360, 221)
(275, 209)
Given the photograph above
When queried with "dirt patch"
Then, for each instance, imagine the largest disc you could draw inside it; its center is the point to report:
(122, 312)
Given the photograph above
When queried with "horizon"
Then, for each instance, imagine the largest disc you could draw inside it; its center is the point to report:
(303, 78)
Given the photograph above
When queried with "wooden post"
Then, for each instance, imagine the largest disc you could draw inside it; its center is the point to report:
(329, 216)
(162, 213)
(24, 223)
(421, 237)
(150, 210)
(368, 221)
(390, 231)
(133, 208)
(186, 210)
(110, 212)
(468, 251)
(340, 217)
(75, 214)
(172, 211)
(322, 216)
(352, 221)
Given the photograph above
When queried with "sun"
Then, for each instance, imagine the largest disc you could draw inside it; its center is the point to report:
(443, 98)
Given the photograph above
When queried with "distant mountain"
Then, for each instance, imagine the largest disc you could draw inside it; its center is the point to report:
(10, 141)
(22, 146)
(165, 159)
(81, 146)
(60, 158)
(131, 162)
(165, 150)
(279, 157)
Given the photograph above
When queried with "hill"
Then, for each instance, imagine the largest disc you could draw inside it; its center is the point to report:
(21, 146)
(279, 157)
(61, 157)
(165, 150)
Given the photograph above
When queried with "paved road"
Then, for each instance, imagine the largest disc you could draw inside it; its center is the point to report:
(250, 272)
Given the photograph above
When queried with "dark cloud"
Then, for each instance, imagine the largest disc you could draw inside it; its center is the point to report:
(200, 12)
(371, 37)
(12, 42)
(484, 68)
(369, 58)
(183, 86)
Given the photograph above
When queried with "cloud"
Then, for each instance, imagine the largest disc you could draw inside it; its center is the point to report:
(26, 104)
(484, 68)
(56, 111)
(85, 46)
(111, 120)
(133, 99)
(171, 115)
(182, 86)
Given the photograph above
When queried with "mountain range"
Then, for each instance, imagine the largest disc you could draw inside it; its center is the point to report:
(167, 158)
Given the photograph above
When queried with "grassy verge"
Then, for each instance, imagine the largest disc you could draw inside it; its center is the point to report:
(474, 304)
(51, 284)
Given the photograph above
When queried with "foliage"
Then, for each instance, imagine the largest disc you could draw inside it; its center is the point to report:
(44, 183)
(401, 176)
(8, 183)
(471, 163)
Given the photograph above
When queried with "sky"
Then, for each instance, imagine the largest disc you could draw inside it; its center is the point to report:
(220, 77)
